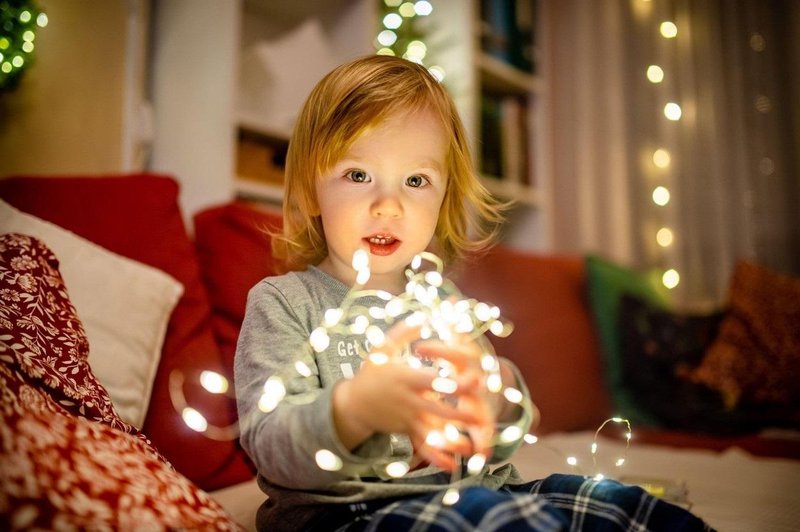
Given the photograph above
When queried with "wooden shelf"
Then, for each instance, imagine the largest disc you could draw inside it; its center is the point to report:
(253, 190)
(510, 190)
(499, 76)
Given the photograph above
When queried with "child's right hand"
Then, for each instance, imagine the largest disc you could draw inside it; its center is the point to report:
(396, 398)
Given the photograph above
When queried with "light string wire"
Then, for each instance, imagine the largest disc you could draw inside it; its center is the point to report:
(435, 305)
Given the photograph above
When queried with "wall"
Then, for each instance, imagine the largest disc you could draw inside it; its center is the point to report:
(72, 110)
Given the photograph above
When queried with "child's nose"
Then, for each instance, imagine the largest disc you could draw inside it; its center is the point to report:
(387, 205)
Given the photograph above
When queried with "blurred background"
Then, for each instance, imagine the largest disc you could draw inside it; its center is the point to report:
(656, 133)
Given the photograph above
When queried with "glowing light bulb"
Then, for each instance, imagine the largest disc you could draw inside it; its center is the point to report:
(475, 463)
(671, 278)
(672, 111)
(319, 339)
(332, 316)
(416, 51)
(378, 358)
(443, 385)
(375, 335)
(213, 382)
(451, 432)
(655, 74)
(437, 72)
(360, 260)
(387, 37)
(363, 276)
(450, 497)
(598, 477)
(511, 434)
(392, 21)
(668, 29)
(385, 51)
(194, 419)
(327, 460)
(435, 439)
(494, 383)
(513, 395)
(25, 16)
(435, 279)
(302, 368)
(407, 10)
(423, 8)
(42, 20)
(661, 196)
(359, 325)
(530, 439)
(571, 460)
(397, 469)
(661, 158)
(620, 462)
(664, 237)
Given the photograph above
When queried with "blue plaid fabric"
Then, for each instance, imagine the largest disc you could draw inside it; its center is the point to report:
(558, 502)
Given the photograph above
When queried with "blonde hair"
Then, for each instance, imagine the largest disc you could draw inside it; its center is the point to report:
(346, 102)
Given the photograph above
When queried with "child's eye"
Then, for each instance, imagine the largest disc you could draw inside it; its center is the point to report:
(417, 181)
(358, 176)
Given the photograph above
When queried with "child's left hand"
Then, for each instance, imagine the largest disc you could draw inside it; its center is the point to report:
(465, 356)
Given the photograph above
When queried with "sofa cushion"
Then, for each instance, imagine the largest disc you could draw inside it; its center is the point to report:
(124, 306)
(233, 245)
(138, 217)
(755, 359)
(553, 342)
(67, 460)
(608, 282)
(660, 348)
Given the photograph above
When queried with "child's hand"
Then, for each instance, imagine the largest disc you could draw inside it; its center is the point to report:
(394, 397)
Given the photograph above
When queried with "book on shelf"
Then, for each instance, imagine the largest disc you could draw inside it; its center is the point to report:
(507, 31)
(505, 138)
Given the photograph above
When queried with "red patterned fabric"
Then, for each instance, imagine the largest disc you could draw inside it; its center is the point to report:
(66, 459)
(138, 216)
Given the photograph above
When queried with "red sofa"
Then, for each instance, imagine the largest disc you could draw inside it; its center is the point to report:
(555, 342)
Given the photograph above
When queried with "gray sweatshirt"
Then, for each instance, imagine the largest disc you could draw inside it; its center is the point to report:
(281, 313)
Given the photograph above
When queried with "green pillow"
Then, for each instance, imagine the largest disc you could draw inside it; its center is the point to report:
(608, 283)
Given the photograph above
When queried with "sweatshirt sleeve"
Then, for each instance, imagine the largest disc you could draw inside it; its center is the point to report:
(283, 443)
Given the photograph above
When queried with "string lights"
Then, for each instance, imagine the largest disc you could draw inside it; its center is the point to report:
(662, 158)
(432, 303)
(19, 22)
(400, 34)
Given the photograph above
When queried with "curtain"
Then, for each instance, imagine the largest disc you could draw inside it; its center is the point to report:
(725, 173)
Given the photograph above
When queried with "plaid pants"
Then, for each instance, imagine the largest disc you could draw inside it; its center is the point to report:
(558, 502)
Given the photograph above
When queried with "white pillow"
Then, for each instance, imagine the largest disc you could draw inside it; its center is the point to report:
(277, 75)
(124, 306)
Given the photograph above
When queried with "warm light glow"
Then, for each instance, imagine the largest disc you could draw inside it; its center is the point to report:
(327, 460)
(671, 278)
(423, 8)
(385, 51)
(407, 9)
(387, 38)
(392, 21)
(668, 29)
(194, 419)
(655, 74)
(213, 382)
(437, 72)
(672, 111)
(397, 469)
(302, 368)
(392, 3)
(571, 460)
(25, 16)
(664, 237)
(757, 42)
(510, 434)
(661, 196)
(513, 395)
(42, 20)
(475, 463)
(530, 439)
(661, 158)
(451, 497)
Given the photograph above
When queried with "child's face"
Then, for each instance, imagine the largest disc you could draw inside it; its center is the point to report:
(384, 196)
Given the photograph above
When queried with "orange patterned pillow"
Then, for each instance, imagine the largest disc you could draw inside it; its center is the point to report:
(755, 358)
(67, 461)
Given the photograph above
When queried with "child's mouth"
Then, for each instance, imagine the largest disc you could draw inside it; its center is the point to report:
(382, 245)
